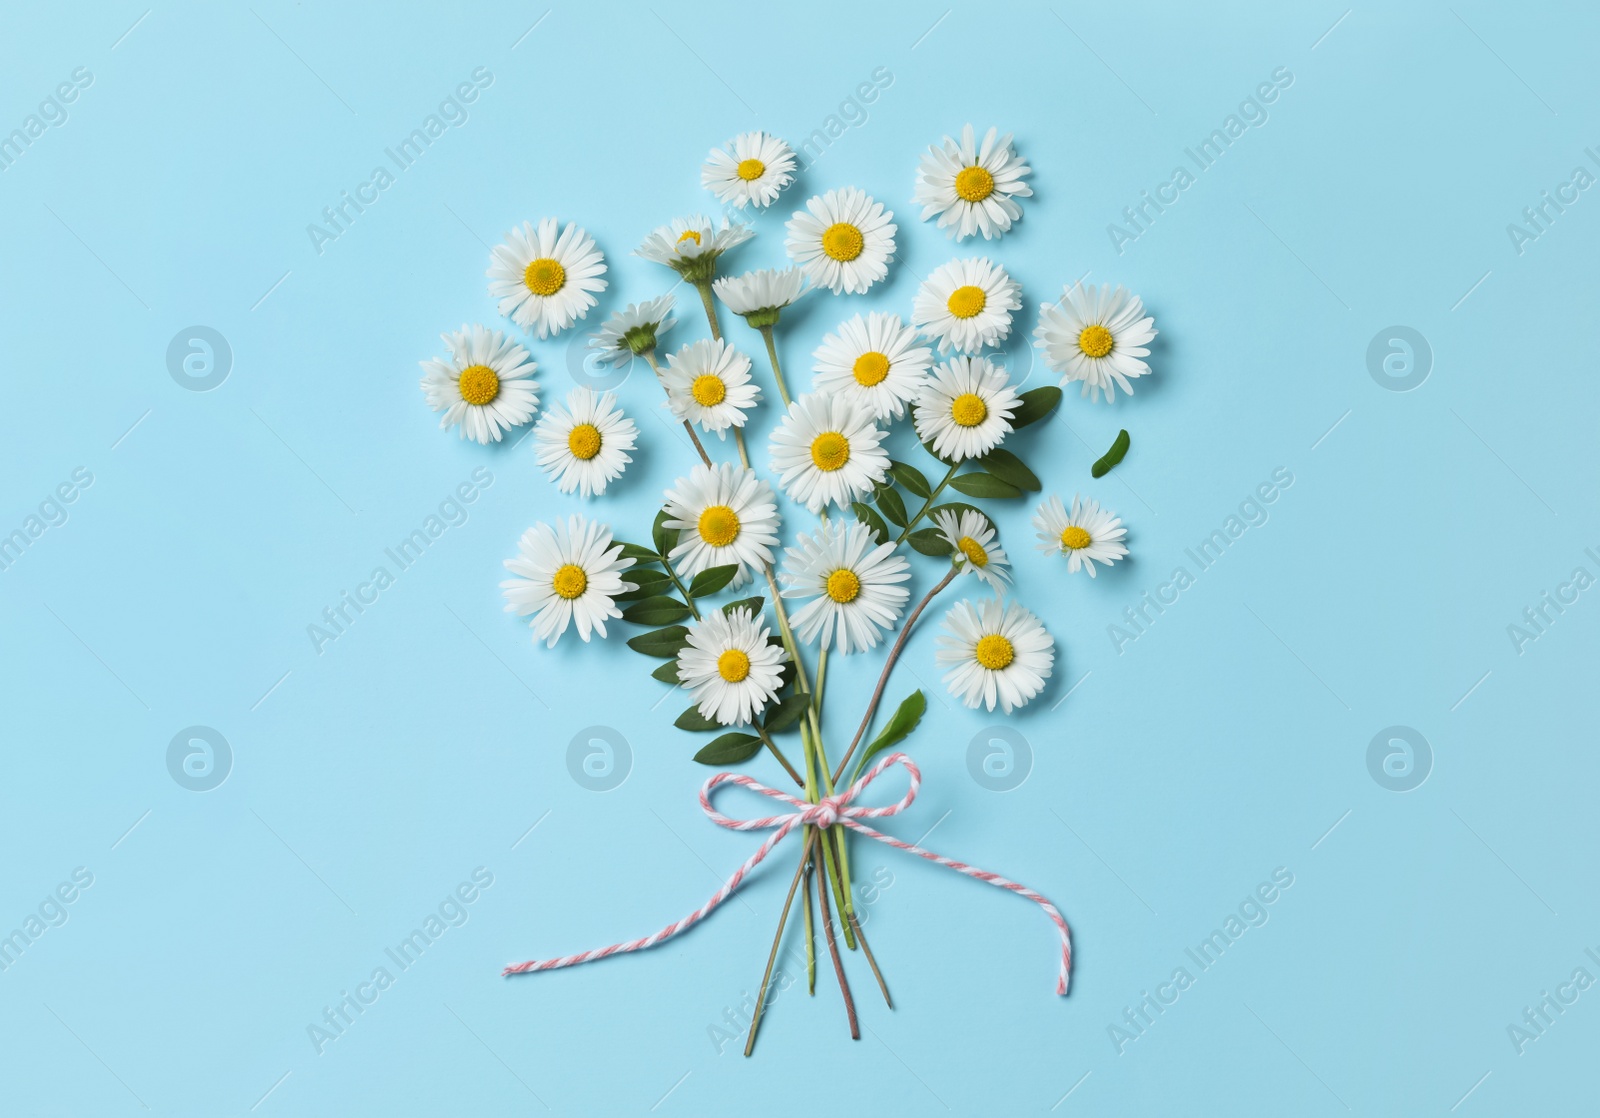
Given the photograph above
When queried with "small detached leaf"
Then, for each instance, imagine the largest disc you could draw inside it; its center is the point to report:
(663, 644)
(890, 504)
(645, 584)
(906, 717)
(729, 749)
(663, 536)
(1035, 405)
(659, 610)
(930, 541)
(1010, 469)
(667, 672)
(984, 485)
(786, 712)
(692, 719)
(754, 605)
(912, 479)
(872, 520)
(712, 579)
(639, 554)
(1110, 458)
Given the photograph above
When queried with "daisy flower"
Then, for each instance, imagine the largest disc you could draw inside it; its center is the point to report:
(632, 331)
(997, 652)
(727, 515)
(708, 384)
(1096, 335)
(965, 408)
(564, 575)
(546, 282)
(874, 359)
(1089, 535)
(826, 451)
(750, 170)
(853, 584)
(690, 246)
(730, 667)
(584, 445)
(966, 305)
(760, 296)
(972, 540)
(972, 189)
(843, 240)
(485, 388)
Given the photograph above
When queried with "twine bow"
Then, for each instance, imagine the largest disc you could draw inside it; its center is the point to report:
(836, 810)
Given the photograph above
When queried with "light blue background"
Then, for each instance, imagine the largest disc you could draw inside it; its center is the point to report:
(369, 780)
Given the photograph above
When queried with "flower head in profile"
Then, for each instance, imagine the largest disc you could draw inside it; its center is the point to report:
(964, 409)
(759, 297)
(876, 359)
(633, 331)
(724, 515)
(854, 584)
(691, 246)
(708, 384)
(966, 305)
(996, 652)
(751, 170)
(1099, 336)
(584, 446)
(485, 387)
(973, 546)
(972, 188)
(546, 278)
(566, 575)
(843, 239)
(730, 666)
(1087, 535)
(826, 451)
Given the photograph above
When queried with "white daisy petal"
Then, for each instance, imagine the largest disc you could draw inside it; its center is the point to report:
(546, 280)
(973, 547)
(691, 246)
(853, 584)
(1088, 534)
(965, 408)
(751, 170)
(972, 190)
(876, 360)
(486, 386)
(1098, 336)
(966, 305)
(997, 652)
(760, 296)
(632, 331)
(725, 515)
(565, 575)
(708, 384)
(730, 666)
(843, 240)
(826, 451)
(584, 445)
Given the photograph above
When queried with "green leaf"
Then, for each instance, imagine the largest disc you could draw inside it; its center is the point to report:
(1011, 470)
(752, 604)
(786, 712)
(930, 542)
(729, 749)
(645, 583)
(659, 610)
(663, 536)
(667, 673)
(663, 644)
(906, 717)
(912, 479)
(692, 719)
(639, 554)
(984, 485)
(712, 579)
(890, 504)
(1035, 405)
(1119, 447)
(956, 508)
(872, 520)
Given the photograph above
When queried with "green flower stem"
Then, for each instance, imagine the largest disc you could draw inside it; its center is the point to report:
(777, 370)
(766, 740)
(650, 359)
(831, 849)
(833, 949)
(744, 451)
(704, 287)
(772, 956)
(688, 599)
(811, 936)
(928, 504)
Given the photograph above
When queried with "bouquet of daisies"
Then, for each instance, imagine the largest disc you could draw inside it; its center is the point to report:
(754, 669)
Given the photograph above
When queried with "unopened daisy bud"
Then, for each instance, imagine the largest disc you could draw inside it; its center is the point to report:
(632, 331)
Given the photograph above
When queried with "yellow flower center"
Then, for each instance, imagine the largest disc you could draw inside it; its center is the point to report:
(994, 652)
(973, 550)
(1095, 341)
(751, 169)
(708, 391)
(545, 276)
(870, 368)
(584, 441)
(968, 409)
(719, 526)
(733, 665)
(830, 450)
(967, 301)
(843, 241)
(478, 384)
(974, 184)
(1075, 537)
(843, 585)
(570, 581)
(689, 235)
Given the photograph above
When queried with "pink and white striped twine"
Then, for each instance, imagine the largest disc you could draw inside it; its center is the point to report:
(835, 809)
